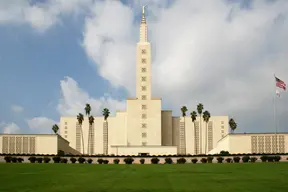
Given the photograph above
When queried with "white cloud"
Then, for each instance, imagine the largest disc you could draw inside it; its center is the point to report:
(41, 124)
(9, 128)
(108, 40)
(39, 15)
(212, 52)
(16, 108)
(73, 100)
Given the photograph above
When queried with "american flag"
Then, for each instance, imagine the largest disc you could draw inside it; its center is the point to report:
(279, 83)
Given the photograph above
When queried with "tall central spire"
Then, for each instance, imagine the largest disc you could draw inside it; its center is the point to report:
(143, 62)
(143, 27)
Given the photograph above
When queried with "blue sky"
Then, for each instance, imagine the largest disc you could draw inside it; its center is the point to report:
(39, 61)
(36, 56)
(34, 63)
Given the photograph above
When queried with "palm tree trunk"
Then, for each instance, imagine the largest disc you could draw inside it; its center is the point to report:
(206, 135)
(182, 137)
(184, 133)
(78, 137)
(89, 140)
(105, 137)
(195, 141)
(92, 139)
(82, 139)
(200, 135)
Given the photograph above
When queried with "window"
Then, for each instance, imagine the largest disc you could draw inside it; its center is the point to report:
(65, 136)
(143, 51)
(144, 116)
(144, 106)
(143, 78)
(143, 70)
(65, 123)
(144, 97)
(143, 88)
(143, 60)
(144, 143)
(222, 131)
(222, 122)
(144, 125)
(222, 127)
(65, 127)
(65, 132)
(144, 135)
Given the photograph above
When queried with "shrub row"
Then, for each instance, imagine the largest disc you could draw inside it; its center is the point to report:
(222, 153)
(9, 159)
(58, 159)
(154, 160)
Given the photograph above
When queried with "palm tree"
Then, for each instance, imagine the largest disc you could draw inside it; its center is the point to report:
(90, 149)
(182, 131)
(200, 108)
(80, 119)
(206, 117)
(87, 109)
(55, 128)
(106, 114)
(193, 117)
(184, 110)
(232, 124)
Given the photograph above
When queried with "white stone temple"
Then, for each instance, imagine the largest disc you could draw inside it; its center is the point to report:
(144, 128)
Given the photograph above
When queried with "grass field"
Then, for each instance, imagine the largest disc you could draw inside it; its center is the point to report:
(260, 177)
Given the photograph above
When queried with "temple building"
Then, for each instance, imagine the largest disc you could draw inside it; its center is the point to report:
(144, 128)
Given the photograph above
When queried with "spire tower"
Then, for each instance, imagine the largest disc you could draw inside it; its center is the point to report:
(143, 65)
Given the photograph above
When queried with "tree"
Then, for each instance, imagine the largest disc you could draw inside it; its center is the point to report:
(184, 110)
(55, 128)
(193, 118)
(182, 131)
(80, 119)
(91, 121)
(106, 114)
(206, 117)
(87, 109)
(232, 124)
(200, 108)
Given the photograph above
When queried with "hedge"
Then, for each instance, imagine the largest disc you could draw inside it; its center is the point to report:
(154, 160)
(222, 154)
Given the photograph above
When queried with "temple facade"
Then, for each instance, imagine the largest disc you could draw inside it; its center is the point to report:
(144, 128)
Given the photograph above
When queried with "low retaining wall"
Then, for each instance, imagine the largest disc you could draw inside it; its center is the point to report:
(147, 159)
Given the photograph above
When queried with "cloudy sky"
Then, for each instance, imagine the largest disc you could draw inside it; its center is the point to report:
(57, 55)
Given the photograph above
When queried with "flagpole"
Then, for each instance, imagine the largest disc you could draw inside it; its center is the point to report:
(275, 117)
(275, 121)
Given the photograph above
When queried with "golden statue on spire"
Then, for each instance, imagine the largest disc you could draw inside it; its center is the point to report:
(143, 9)
(143, 15)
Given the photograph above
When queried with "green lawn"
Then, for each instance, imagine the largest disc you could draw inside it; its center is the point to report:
(258, 177)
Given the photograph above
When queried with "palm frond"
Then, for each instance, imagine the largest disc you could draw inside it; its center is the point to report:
(183, 110)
